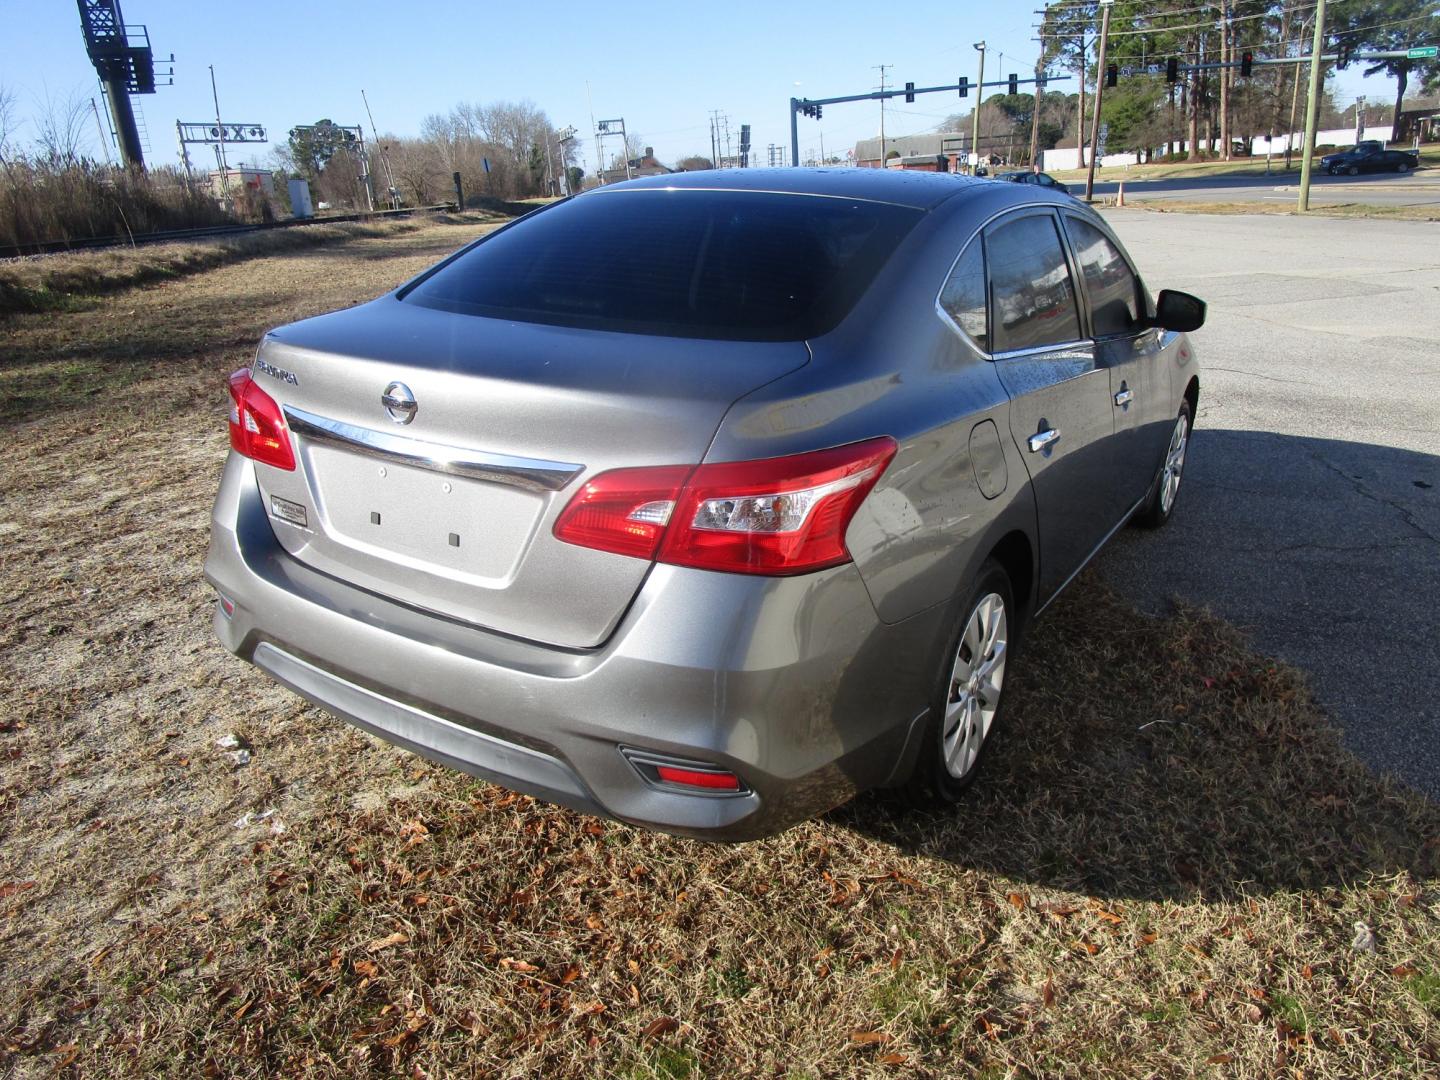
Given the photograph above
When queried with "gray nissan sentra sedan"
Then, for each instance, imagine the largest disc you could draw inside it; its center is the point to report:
(703, 501)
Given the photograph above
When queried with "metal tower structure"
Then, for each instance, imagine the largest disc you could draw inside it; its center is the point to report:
(126, 65)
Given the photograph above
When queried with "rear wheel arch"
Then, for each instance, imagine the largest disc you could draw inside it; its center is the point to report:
(1016, 556)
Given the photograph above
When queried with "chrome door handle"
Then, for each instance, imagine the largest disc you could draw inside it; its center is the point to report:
(1042, 439)
(1124, 397)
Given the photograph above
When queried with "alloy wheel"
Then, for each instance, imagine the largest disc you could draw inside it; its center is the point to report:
(976, 679)
(1174, 463)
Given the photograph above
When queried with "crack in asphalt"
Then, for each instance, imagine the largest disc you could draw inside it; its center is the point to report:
(1257, 375)
(1360, 489)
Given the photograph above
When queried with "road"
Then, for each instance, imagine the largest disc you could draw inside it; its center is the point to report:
(1310, 510)
(1386, 189)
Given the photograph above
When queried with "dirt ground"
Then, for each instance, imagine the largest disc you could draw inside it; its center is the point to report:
(1171, 866)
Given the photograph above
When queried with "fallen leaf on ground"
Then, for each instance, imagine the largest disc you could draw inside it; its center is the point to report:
(399, 937)
(868, 1038)
(661, 1025)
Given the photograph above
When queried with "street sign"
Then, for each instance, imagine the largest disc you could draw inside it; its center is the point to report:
(1429, 52)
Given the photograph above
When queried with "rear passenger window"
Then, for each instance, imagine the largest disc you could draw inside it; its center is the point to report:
(1032, 298)
(1109, 281)
(963, 297)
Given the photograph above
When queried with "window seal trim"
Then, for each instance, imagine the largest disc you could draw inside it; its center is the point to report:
(979, 229)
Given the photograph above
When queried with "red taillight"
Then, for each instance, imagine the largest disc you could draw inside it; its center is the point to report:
(624, 511)
(257, 427)
(711, 781)
(774, 516)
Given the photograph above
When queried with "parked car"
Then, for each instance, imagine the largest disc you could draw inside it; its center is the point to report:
(1369, 156)
(1039, 179)
(708, 500)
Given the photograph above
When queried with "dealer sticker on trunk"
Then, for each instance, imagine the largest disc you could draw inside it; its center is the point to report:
(289, 511)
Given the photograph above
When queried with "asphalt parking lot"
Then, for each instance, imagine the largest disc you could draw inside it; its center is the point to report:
(1310, 513)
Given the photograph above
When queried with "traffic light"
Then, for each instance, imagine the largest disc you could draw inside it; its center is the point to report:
(818, 112)
(963, 86)
(1041, 80)
(1014, 84)
(1247, 63)
(744, 138)
(1172, 70)
(910, 93)
(1345, 52)
(1112, 74)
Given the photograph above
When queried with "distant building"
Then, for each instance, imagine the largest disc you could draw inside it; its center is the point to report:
(239, 177)
(935, 151)
(1419, 116)
(645, 165)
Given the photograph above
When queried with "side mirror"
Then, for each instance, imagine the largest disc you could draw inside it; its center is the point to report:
(1178, 311)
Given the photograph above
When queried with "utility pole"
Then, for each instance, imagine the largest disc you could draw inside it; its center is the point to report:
(881, 68)
(599, 161)
(1226, 54)
(394, 199)
(1105, 6)
(1312, 106)
(100, 130)
(220, 129)
(975, 119)
(1080, 112)
(1035, 115)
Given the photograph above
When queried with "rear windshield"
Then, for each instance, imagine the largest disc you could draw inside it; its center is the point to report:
(747, 266)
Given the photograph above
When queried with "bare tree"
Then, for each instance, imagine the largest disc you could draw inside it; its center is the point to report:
(7, 122)
(62, 128)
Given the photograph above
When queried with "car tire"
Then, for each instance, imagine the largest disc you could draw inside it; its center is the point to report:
(968, 700)
(1331, 170)
(1403, 166)
(1160, 502)
(1353, 170)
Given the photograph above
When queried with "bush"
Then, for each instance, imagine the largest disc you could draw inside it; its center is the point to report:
(43, 201)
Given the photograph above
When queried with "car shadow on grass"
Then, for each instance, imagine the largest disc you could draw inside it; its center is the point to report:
(1153, 759)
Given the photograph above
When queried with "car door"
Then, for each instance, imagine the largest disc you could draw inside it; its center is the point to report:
(1139, 395)
(1060, 401)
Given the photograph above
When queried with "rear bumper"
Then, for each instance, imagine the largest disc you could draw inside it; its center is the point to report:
(791, 683)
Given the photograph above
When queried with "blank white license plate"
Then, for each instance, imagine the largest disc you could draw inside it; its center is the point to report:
(466, 527)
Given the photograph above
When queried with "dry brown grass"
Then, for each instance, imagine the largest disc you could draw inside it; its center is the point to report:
(65, 281)
(1159, 874)
(1350, 210)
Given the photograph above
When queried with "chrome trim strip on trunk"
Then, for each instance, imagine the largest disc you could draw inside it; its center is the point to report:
(532, 474)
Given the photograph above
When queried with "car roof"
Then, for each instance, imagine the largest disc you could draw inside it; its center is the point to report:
(921, 190)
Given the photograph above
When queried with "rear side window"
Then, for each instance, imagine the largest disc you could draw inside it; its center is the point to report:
(1109, 282)
(963, 297)
(1032, 299)
(748, 266)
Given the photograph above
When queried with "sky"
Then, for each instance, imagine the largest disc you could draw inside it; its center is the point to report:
(663, 68)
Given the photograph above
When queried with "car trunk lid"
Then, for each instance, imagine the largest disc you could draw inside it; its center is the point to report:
(443, 494)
